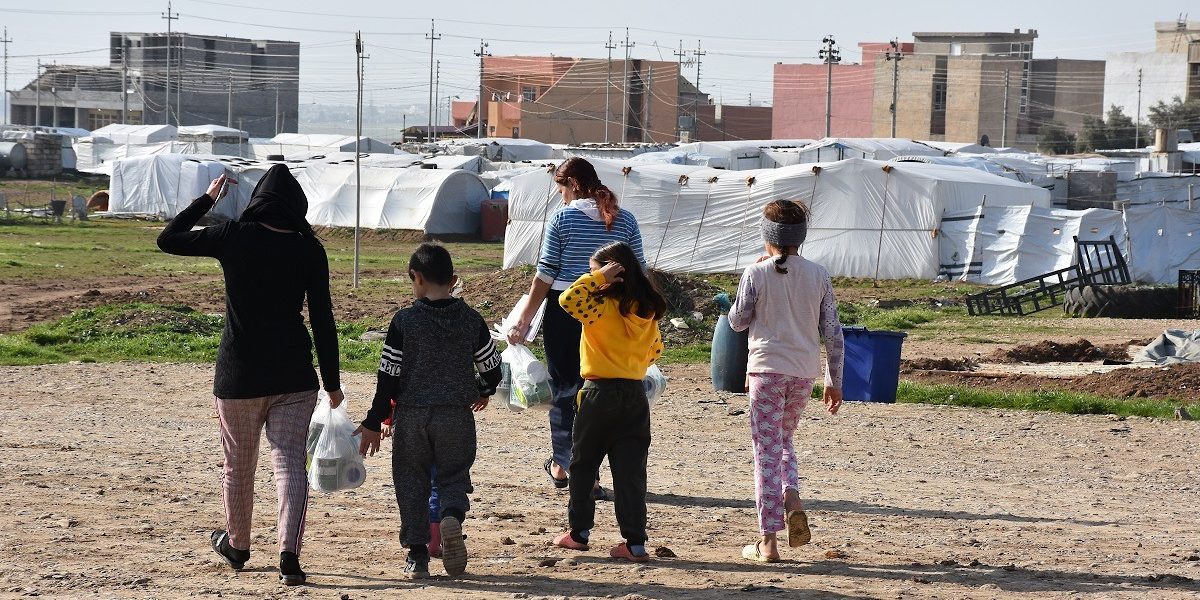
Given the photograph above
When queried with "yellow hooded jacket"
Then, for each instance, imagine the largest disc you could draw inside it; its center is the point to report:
(613, 346)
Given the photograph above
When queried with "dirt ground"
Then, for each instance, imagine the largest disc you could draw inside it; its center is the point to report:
(109, 485)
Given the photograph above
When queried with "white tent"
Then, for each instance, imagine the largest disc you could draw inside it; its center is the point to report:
(1162, 240)
(971, 162)
(386, 159)
(136, 134)
(959, 147)
(867, 220)
(832, 149)
(164, 184)
(302, 143)
(437, 201)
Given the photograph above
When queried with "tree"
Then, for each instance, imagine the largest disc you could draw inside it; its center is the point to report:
(1094, 135)
(1176, 115)
(1055, 139)
(1121, 130)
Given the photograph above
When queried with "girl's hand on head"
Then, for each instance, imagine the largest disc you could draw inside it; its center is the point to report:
(612, 272)
(833, 399)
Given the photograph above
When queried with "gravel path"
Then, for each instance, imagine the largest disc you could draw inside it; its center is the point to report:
(108, 486)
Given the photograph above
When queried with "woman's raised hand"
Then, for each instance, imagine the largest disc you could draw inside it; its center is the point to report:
(217, 189)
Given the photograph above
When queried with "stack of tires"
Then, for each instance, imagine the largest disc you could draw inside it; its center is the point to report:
(1122, 302)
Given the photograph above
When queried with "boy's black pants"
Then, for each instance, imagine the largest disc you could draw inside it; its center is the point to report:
(613, 419)
(424, 439)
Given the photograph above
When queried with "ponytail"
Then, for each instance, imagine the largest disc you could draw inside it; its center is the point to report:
(780, 260)
(606, 202)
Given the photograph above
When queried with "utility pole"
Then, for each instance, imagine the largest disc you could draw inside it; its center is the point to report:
(432, 36)
(437, 91)
(831, 55)
(6, 41)
(276, 108)
(679, 54)
(167, 90)
(229, 98)
(482, 105)
(124, 79)
(895, 55)
(1137, 121)
(608, 87)
(1004, 126)
(37, 86)
(648, 98)
(696, 104)
(625, 90)
(358, 70)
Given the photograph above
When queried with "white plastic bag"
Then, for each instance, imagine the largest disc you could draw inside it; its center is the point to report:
(530, 379)
(655, 383)
(333, 460)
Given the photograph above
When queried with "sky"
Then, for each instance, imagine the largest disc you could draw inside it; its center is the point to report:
(741, 42)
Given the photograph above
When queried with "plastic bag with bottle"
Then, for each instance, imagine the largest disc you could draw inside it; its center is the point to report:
(334, 463)
(530, 380)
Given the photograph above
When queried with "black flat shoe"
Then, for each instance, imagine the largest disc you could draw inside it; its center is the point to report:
(600, 494)
(289, 569)
(233, 557)
(558, 483)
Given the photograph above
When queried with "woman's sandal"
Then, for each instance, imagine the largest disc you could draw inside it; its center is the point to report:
(799, 533)
(558, 483)
(752, 552)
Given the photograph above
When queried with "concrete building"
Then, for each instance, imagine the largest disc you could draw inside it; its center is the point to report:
(725, 122)
(799, 94)
(1172, 70)
(249, 84)
(562, 100)
(963, 86)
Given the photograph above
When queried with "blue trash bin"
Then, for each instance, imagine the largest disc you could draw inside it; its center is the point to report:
(872, 366)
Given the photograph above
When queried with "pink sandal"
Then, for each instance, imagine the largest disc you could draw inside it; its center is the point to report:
(564, 540)
(622, 552)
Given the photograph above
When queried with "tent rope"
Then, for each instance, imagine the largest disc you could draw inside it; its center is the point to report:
(683, 179)
(703, 213)
(742, 230)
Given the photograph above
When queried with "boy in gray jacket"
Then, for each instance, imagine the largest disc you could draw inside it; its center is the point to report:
(430, 358)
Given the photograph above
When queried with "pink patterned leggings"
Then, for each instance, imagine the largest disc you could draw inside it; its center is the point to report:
(776, 402)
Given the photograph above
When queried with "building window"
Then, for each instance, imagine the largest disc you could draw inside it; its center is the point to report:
(955, 48)
(528, 93)
(937, 113)
(1194, 82)
(210, 54)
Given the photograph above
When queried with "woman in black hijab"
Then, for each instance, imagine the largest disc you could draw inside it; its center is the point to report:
(272, 263)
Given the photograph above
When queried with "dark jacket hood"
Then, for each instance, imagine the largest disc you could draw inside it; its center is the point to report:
(278, 201)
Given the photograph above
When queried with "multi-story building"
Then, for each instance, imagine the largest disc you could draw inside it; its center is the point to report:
(968, 86)
(1143, 79)
(248, 84)
(800, 91)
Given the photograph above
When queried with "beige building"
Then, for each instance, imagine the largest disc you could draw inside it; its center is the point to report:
(963, 86)
(1175, 36)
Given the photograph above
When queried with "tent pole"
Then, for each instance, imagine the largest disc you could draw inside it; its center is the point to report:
(358, 48)
(882, 219)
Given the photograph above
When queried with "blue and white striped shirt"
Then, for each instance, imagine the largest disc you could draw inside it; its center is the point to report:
(572, 237)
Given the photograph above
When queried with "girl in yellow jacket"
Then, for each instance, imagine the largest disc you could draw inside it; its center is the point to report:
(619, 306)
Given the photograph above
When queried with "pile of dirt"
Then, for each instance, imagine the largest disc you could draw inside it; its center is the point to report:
(1181, 381)
(938, 364)
(687, 294)
(1178, 382)
(1047, 351)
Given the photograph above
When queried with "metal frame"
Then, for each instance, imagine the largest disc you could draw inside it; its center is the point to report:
(1096, 263)
(1189, 293)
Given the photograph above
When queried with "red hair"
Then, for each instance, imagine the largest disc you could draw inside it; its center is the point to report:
(586, 184)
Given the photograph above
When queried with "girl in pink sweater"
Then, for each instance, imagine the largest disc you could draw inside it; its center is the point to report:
(787, 304)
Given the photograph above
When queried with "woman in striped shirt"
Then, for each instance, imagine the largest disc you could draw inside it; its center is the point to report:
(590, 219)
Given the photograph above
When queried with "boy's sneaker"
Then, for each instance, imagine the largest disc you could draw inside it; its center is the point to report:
(289, 569)
(232, 556)
(417, 566)
(454, 549)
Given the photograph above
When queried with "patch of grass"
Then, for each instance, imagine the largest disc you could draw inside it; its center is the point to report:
(687, 354)
(150, 332)
(1062, 402)
(853, 313)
